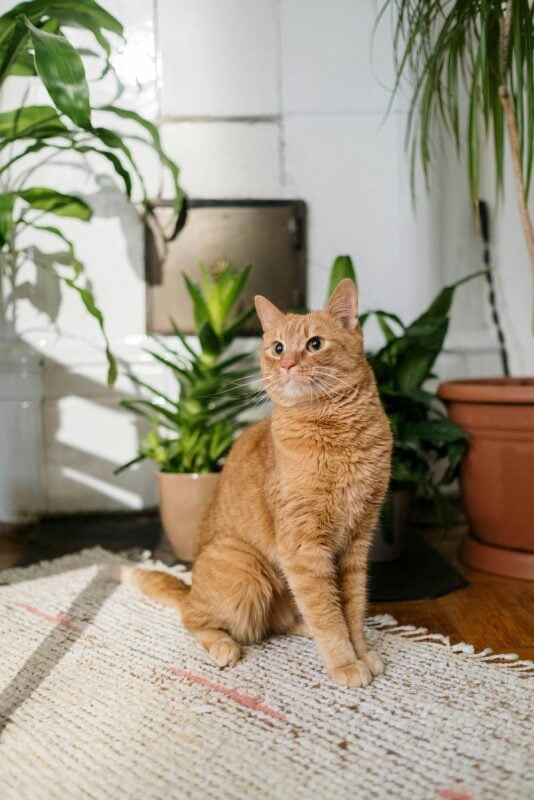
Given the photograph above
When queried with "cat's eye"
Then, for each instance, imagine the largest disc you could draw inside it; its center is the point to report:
(277, 348)
(314, 344)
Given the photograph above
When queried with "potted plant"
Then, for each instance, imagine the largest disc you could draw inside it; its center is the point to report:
(192, 431)
(427, 446)
(35, 48)
(484, 51)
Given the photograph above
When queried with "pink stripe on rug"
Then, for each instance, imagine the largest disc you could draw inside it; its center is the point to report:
(57, 619)
(247, 701)
(244, 700)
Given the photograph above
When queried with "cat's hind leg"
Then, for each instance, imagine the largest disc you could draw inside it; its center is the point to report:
(230, 599)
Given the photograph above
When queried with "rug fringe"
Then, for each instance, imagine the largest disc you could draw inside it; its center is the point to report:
(511, 661)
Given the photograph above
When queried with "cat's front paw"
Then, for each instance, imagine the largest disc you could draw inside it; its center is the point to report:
(373, 662)
(225, 653)
(354, 675)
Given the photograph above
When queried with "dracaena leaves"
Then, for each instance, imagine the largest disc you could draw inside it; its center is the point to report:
(61, 69)
(34, 42)
(194, 429)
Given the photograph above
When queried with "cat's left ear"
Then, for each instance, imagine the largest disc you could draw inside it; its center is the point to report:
(343, 304)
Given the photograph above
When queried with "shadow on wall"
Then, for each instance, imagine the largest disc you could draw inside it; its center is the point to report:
(79, 462)
(81, 426)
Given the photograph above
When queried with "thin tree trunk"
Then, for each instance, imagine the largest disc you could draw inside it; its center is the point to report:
(513, 135)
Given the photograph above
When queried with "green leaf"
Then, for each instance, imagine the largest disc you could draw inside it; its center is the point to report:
(66, 11)
(61, 69)
(156, 143)
(139, 382)
(231, 285)
(85, 295)
(178, 333)
(209, 341)
(7, 202)
(384, 315)
(439, 430)
(182, 373)
(136, 460)
(16, 35)
(114, 160)
(63, 205)
(213, 300)
(161, 413)
(341, 268)
(230, 332)
(85, 14)
(199, 306)
(30, 122)
(384, 327)
(112, 139)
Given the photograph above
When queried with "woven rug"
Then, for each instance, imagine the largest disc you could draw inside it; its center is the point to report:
(104, 695)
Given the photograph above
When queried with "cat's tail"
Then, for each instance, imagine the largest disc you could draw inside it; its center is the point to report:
(158, 585)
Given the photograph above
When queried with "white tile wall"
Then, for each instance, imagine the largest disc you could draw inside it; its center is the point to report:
(329, 64)
(347, 169)
(85, 440)
(218, 58)
(226, 159)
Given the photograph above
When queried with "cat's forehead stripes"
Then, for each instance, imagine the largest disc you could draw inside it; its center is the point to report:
(298, 326)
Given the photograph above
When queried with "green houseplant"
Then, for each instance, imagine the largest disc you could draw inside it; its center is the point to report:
(38, 257)
(427, 446)
(192, 431)
(482, 51)
(34, 46)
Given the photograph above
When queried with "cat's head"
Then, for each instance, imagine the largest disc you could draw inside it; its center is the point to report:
(309, 356)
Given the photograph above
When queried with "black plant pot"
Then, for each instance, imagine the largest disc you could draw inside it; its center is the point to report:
(389, 536)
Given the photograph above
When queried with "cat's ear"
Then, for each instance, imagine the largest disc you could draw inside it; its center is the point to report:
(268, 313)
(343, 304)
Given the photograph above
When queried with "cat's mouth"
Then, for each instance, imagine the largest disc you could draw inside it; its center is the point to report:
(294, 384)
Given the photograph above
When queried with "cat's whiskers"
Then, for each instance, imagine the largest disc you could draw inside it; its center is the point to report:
(333, 390)
(334, 376)
(241, 384)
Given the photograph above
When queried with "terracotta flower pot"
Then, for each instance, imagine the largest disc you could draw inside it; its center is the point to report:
(497, 473)
(183, 499)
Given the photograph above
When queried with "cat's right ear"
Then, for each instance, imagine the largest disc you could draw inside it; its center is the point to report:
(270, 316)
(343, 304)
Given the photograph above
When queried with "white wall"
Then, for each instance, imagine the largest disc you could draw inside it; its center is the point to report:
(271, 98)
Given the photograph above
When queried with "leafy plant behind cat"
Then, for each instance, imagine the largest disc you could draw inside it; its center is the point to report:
(428, 447)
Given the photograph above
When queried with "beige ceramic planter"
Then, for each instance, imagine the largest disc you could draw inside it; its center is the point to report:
(182, 501)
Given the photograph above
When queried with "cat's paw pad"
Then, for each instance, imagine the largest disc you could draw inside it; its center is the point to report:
(353, 675)
(225, 653)
(373, 662)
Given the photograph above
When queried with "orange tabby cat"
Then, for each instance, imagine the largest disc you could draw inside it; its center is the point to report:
(283, 545)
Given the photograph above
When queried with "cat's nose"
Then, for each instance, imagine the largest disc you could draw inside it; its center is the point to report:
(287, 364)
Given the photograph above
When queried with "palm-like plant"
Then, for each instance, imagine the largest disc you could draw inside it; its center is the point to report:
(34, 45)
(482, 47)
(193, 430)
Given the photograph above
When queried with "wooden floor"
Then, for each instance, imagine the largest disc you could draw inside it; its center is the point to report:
(491, 612)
